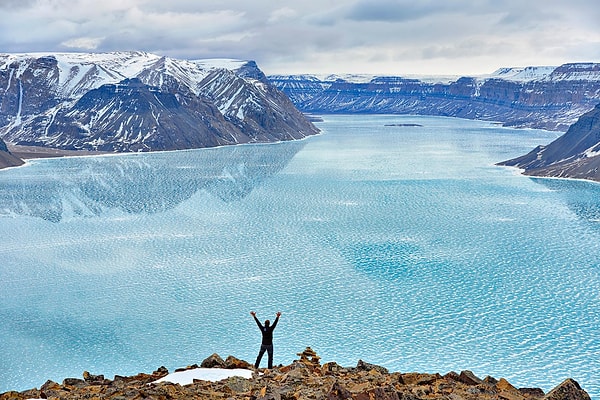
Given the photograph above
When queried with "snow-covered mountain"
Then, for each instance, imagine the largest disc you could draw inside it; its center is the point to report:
(541, 97)
(136, 101)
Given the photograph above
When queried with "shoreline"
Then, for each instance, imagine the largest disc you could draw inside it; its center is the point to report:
(37, 152)
(34, 152)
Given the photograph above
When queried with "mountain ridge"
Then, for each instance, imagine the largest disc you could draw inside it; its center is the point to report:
(531, 97)
(137, 101)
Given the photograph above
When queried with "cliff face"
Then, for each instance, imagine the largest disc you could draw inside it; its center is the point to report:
(136, 101)
(576, 154)
(7, 159)
(303, 379)
(537, 97)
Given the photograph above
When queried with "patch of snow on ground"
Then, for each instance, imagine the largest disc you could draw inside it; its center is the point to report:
(206, 374)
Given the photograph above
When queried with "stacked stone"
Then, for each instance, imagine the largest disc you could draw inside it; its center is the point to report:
(309, 357)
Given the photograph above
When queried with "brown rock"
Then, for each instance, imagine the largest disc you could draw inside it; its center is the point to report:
(508, 391)
(234, 363)
(414, 378)
(213, 361)
(469, 378)
(377, 394)
(569, 389)
(332, 368)
(338, 392)
(238, 384)
(505, 386)
(74, 382)
(490, 380)
(50, 385)
(364, 366)
(452, 375)
(532, 392)
(12, 395)
(187, 367)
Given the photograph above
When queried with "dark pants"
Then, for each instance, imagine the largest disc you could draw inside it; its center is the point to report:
(269, 349)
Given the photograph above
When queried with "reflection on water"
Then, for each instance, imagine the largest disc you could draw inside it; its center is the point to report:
(138, 183)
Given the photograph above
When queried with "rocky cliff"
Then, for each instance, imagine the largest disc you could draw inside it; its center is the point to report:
(576, 154)
(538, 97)
(134, 101)
(7, 159)
(305, 378)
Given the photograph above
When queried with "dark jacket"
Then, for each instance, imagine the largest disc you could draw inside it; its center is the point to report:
(267, 331)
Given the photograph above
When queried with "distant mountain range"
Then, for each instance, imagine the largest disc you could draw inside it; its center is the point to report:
(537, 97)
(576, 154)
(136, 101)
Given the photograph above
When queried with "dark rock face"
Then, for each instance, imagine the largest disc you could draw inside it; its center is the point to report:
(549, 100)
(576, 154)
(6, 158)
(122, 102)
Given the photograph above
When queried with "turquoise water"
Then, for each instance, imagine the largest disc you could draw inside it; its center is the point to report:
(403, 246)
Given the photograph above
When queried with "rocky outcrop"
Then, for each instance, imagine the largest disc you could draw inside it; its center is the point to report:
(576, 154)
(567, 390)
(305, 378)
(537, 97)
(7, 159)
(135, 101)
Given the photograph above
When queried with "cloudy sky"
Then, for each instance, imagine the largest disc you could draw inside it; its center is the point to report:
(393, 37)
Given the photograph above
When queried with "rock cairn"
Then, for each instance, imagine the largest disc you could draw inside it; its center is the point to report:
(305, 378)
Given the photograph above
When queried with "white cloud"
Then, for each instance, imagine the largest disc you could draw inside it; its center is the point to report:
(363, 36)
(285, 13)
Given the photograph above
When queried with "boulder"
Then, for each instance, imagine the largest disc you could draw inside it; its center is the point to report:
(569, 389)
(232, 362)
(237, 384)
(469, 378)
(213, 361)
(365, 366)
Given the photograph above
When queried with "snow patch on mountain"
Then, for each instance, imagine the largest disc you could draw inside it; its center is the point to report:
(522, 74)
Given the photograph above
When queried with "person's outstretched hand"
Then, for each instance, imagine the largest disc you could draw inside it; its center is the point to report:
(253, 313)
(278, 313)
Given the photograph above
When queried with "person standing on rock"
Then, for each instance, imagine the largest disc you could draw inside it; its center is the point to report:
(267, 339)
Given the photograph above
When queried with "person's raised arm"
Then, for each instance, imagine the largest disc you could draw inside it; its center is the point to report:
(256, 319)
(276, 320)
